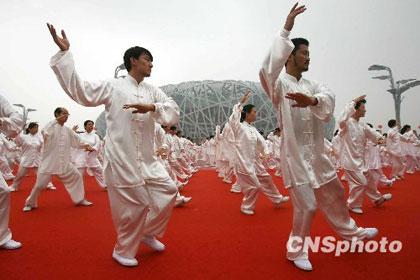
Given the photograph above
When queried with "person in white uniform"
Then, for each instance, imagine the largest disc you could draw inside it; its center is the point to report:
(303, 106)
(355, 135)
(55, 161)
(394, 148)
(11, 123)
(31, 143)
(84, 160)
(249, 147)
(140, 191)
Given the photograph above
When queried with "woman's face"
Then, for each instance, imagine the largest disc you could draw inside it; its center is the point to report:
(33, 130)
(89, 127)
(252, 116)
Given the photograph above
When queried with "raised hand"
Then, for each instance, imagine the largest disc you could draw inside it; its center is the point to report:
(245, 97)
(63, 43)
(290, 21)
(301, 100)
(359, 98)
(75, 128)
(140, 108)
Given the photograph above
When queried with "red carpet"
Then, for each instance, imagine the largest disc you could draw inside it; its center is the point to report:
(207, 239)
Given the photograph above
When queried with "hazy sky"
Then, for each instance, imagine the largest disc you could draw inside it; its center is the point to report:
(218, 40)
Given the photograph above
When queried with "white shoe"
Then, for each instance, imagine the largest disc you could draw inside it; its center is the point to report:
(154, 244)
(27, 208)
(282, 200)
(356, 210)
(124, 261)
(11, 245)
(50, 186)
(247, 211)
(303, 264)
(371, 232)
(186, 199)
(84, 202)
(227, 181)
(278, 174)
(12, 189)
(235, 189)
(387, 196)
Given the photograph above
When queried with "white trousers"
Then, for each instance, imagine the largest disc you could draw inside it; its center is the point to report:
(140, 211)
(330, 200)
(98, 173)
(362, 183)
(5, 233)
(72, 180)
(398, 168)
(251, 187)
(20, 175)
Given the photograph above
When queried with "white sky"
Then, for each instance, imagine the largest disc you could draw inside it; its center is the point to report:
(217, 39)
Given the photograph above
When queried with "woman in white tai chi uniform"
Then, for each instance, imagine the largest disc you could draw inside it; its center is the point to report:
(84, 160)
(55, 161)
(31, 143)
(249, 147)
(141, 193)
(11, 123)
(303, 106)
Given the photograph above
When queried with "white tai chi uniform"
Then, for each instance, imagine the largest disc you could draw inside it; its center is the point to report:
(354, 135)
(251, 174)
(307, 171)
(5, 148)
(31, 155)
(140, 191)
(89, 160)
(56, 160)
(10, 124)
(394, 148)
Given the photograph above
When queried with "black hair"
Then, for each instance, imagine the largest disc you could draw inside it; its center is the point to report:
(385, 135)
(392, 123)
(405, 128)
(172, 127)
(371, 126)
(30, 126)
(246, 110)
(336, 132)
(298, 42)
(86, 122)
(58, 111)
(134, 52)
(359, 103)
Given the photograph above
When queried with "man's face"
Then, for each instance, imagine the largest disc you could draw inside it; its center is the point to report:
(63, 116)
(301, 58)
(143, 65)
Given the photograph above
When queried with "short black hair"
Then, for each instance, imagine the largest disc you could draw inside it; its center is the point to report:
(392, 123)
(58, 111)
(359, 103)
(246, 110)
(173, 128)
(298, 42)
(30, 126)
(134, 52)
(86, 122)
(405, 128)
(369, 124)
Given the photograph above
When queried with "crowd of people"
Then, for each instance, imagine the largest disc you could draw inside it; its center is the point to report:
(144, 163)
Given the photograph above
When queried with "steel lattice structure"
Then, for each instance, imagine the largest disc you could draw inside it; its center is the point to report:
(205, 104)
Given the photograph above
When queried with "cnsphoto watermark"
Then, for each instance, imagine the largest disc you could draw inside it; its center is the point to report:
(329, 244)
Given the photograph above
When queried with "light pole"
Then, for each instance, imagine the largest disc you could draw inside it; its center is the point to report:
(25, 111)
(396, 88)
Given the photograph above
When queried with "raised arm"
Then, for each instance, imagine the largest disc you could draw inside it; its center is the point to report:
(278, 54)
(348, 112)
(11, 122)
(235, 118)
(89, 94)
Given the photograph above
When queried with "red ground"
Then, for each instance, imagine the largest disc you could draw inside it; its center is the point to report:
(208, 239)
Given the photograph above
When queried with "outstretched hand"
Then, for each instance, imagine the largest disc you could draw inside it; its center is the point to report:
(245, 97)
(301, 100)
(140, 108)
(290, 21)
(63, 43)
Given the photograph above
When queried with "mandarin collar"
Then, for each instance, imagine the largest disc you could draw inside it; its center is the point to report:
(133, 81)
(291, 78)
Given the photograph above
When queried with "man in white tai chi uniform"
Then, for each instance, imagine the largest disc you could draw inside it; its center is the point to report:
(303, 106)
(141, 193)
(10, 124)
